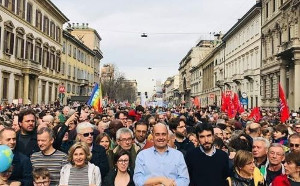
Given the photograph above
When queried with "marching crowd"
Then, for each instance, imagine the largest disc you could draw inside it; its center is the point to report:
(148, 146)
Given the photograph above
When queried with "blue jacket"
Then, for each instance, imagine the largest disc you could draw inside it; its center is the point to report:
(22, 169)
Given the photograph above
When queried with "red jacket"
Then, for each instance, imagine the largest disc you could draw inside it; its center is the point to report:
(281, 180)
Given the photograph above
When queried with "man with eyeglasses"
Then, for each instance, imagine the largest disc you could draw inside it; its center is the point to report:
(182, 143)
(140, 133)
(296, 127)
(274, 166)
(294, 142)
(122, 116)
(124, 137)
(85, 133)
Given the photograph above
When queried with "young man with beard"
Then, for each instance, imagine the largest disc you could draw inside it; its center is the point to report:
(140, 133)
(207, 165)
(26, 137)
(182, 143)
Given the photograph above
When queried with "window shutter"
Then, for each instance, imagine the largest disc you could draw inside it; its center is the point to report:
(13, 5)
(22, 48)
(11, 51)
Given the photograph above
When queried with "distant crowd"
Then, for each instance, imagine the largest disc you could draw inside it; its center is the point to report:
(76, 145)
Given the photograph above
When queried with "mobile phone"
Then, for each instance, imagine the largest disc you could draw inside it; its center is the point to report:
(79, 110)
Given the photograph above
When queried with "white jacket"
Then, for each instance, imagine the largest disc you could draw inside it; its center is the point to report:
(93, 174)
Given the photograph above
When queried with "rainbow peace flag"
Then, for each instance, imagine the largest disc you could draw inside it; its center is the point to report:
(96, 98)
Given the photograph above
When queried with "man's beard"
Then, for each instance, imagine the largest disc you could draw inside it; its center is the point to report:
(180, 135)
(207, 148)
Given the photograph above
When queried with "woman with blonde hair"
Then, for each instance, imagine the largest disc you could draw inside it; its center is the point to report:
(79, 171)
(244, 171)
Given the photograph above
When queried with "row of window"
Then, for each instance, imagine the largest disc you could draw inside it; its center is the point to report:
(25, 46)
(78, 90)
(271, 6)
(5, 86)
(42, 22)
(74, 72)
(77, 54)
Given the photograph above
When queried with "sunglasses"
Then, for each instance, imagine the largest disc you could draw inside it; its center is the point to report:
(294, 145)
(88, 133)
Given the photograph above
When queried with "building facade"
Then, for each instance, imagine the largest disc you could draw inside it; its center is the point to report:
(191, 59)
(243, 57)
(77, 67)
(170, 91)
(280, 52)
(30, 51)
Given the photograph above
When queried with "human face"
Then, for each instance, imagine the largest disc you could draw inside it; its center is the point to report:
(87, 136)
(278, 135)
(258, 149)
(6, 174)
(9, 139)
(297, 128)
(28, 123)
(248, 169)
(125, 141)
(129, 123)
(161, 118)
(140, 133)
(181, 130)
(122, 163)
(194, 140)
(275, 155)
(291, 169)
(160, 137)
(15, 124)
(268, 136)
(294, 144)
(79, 157)
(44, 141)
(219, 133)
(40, 181)
(72, 125)
(206, 140)
(123, 119)
(104, 142)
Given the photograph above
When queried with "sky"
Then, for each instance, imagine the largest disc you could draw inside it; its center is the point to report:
(173, 28)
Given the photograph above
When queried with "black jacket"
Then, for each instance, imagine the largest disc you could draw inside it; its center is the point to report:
(237, 180)
(31, 147)
(110, 178)
(99, 158)
(22, 169)
(184, 146)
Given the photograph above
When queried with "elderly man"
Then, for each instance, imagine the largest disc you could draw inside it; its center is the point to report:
(160, 165)
(47, 121)
(124, 138)
(274, 166)
(21, 164)
(259, 150)
(85, 133)
(254, 130)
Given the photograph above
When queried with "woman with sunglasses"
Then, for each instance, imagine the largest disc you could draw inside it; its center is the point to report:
(292, 171)
(85, 133)
(121, 175)
(79, 171)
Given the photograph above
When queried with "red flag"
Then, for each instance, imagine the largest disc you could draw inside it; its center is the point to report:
(197, 102)
(284, 109)
(255, 114)
(224, 104)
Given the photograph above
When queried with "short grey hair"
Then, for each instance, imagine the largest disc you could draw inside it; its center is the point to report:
(123, 131)
(277, 145)
(46, 130)
(267, 143)
(84, 125)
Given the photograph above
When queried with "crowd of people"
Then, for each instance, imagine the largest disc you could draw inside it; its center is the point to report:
(75, 145)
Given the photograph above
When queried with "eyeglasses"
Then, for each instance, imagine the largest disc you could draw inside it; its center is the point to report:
(123, 161)
(126, 140)
(88, 133)
(41, 183)
(294, 145)
(275, 153)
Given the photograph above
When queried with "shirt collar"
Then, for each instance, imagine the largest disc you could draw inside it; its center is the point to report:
(155, 151)
(213, 151)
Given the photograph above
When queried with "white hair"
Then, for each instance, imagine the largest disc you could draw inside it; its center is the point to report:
(123, 131)
(267, 143)
(84, 125)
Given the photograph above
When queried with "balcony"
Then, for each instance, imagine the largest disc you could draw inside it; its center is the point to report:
(31, 66)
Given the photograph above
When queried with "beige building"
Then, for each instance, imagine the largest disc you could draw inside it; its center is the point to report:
(243, 57)
(30, 50)
(170, 90)
(192, 58)
(107, 72)
(280, 52)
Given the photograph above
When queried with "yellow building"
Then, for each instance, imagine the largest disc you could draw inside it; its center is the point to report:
(30, 50)
(77, 66)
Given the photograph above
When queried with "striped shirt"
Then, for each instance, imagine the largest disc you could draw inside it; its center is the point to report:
(79, 176)
(53, 162)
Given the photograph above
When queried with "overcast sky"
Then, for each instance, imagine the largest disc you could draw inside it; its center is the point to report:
(173, 27)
